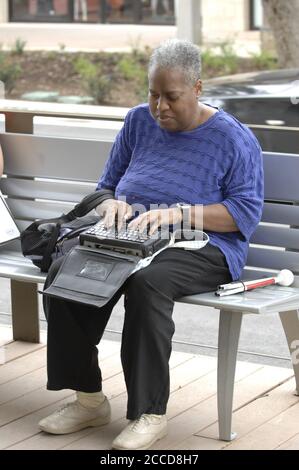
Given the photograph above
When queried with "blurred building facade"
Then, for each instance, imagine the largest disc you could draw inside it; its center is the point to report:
(213, 21)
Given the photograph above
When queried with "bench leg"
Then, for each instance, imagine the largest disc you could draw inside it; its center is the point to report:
(229, 333)
(290, 323)
(24, 306)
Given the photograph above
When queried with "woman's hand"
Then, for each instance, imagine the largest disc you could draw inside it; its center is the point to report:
(113, 209)
(155, 219)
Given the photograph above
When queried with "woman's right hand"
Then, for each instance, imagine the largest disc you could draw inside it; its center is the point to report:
(112, 210)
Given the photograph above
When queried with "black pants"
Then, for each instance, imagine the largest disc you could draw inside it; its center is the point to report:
(75, 329)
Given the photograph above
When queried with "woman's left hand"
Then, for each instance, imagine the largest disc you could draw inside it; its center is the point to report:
(155, 219)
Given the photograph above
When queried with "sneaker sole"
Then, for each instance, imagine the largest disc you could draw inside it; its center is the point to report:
(87, 424)
(160, 436)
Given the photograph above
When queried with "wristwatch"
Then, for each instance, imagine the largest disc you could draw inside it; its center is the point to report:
(185, 210)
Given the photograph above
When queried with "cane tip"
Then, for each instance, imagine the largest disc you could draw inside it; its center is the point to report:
(286, 277)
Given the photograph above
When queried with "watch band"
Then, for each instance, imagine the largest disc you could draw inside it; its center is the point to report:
(185, 210)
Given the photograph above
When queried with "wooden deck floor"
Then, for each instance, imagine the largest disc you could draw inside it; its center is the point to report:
(266, 412)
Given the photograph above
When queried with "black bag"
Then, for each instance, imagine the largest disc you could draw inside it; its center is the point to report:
(91, 276)
(48, 239)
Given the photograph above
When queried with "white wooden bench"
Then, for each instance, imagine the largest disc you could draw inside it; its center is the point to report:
(45, 176)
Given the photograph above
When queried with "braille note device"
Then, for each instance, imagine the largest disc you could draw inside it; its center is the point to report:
(125, 240)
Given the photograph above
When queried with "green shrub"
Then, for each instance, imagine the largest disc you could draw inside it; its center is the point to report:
(230, 58)
(224, 62)
(133, 69)
(18, 47)
(8, 72)
(51, 55)
(130, 68)
(264, 60)
(94, 81)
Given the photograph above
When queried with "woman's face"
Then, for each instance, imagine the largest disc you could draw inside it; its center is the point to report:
(173, 102)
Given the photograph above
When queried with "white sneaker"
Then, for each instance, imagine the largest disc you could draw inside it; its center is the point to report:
(141, 433)
(73, 416)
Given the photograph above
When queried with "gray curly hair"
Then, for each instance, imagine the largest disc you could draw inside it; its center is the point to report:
(181, 54)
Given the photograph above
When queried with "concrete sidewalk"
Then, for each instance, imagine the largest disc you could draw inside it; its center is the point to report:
(84, 37)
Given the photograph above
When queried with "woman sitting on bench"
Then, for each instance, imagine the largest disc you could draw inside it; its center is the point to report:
(204, 167)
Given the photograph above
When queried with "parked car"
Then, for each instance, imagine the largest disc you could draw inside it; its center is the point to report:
(268, 102)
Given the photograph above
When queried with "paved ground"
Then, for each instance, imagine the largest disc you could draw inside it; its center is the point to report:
(266, 409)
(197, 330)
(91, 37)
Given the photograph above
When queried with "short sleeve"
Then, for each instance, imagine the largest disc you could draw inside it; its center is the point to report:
(119, 158)
(244, 190)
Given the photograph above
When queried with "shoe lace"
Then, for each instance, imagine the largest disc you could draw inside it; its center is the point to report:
(64, 407)
(140, 422)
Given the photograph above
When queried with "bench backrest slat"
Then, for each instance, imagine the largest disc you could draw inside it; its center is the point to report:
(273, 259)
(281, 180)
(281, 213)
(276, 236)
(31, 210)
(45, 189)
(50, 157)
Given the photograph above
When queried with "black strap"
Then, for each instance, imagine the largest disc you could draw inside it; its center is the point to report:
(47, 257)
(88, 203)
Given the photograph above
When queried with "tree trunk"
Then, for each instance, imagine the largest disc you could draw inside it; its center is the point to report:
(283, 19)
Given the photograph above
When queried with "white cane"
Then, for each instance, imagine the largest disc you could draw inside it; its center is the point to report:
(284, 278)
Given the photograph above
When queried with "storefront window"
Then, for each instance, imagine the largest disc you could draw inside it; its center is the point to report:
(158, 11)
(87, 11)
(40, 10)
(119, 11)
(94, 11)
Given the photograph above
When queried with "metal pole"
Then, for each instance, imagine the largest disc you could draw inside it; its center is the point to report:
(188, 20)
